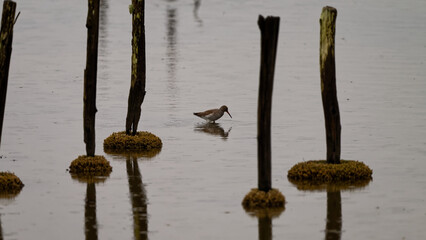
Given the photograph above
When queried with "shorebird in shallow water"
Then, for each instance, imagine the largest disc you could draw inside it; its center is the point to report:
(213, 114)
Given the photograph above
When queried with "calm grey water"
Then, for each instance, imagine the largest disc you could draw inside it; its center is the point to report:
(201, 55)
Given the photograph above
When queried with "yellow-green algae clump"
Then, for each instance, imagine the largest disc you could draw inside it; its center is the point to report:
(10, 183)
(90, 166)
(120, 142)
(258, 199)
(322, 172)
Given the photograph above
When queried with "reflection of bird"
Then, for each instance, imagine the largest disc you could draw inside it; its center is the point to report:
(197, 4)
(213, 129)
(213, 114)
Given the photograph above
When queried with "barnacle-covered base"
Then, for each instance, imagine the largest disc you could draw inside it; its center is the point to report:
(262, 203)
(120, 142)
(85, 166)
(347, 172)
(10, 184)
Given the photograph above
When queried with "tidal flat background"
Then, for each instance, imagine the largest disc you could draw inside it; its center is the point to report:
(200, 55)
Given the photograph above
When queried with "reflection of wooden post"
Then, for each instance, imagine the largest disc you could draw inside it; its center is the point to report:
(89, 98)
(334, 216)
(269, 29)
(7, 21)
(90, 221)
(265, 228)
(328, 84)
(138, 199)
(138, 78)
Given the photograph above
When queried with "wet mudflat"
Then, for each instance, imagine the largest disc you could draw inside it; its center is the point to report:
(201, 55)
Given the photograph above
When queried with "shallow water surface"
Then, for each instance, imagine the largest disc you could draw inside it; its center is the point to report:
(201, 55)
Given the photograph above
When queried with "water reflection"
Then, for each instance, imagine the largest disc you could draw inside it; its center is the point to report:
(103, 39)
(333, 228)
(171, 51)
(137, 191)
(138, 199)
(171, 58)
(1, 231)
(123, 155)
(90, 221)
(7, 198)
(197, 4)
(264, 218)
(213, 129)
(265, 228)
(103, 22)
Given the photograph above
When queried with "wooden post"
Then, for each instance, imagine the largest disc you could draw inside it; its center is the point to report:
(7, 22)
(138, 78)
(269, 29)
(89, 98)
(328, 84)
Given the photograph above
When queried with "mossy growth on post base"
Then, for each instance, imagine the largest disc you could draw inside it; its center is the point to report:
(120, 142)
(320, 171)
(10, 184)
(90, 166)
(257, 200)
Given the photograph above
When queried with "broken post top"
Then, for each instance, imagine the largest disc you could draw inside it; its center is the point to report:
(327, 33)
(328, 18)
(261, 21)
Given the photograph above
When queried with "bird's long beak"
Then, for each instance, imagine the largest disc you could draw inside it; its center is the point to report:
(229, 114)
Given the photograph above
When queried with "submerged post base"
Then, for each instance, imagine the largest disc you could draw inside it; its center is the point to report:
(10, 184)
(257, 199)
(90, 166)
(322, 172)
(120, 142)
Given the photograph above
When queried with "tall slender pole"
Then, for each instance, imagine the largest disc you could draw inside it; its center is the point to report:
(328, 83)
(7, 22)
(138, 78)
(90, 74)
(269, 29)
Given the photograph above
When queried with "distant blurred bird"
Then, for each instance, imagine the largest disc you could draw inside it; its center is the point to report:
(213, 114)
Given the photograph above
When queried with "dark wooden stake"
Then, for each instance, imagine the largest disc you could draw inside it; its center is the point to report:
(89, 98)
(7, 22)
(328, 84)
(269, 29)
(138, 78)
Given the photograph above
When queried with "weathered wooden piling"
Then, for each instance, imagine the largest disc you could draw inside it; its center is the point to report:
(7, 22)
(90, 75)
(138, 78)
(328, 83)
(269, 29)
